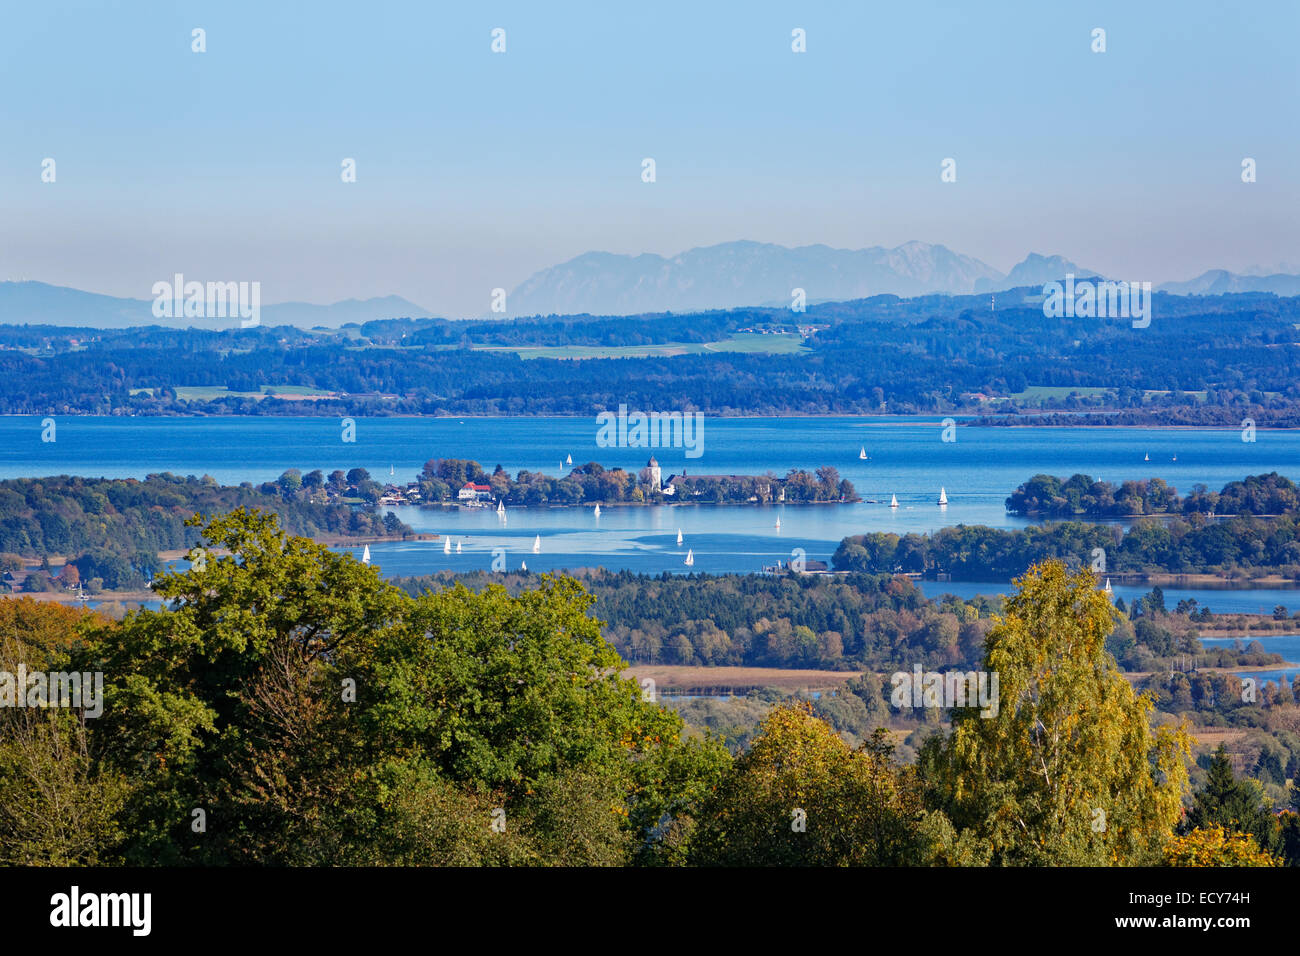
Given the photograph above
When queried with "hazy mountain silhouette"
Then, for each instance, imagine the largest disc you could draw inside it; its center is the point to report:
(1220, 281)
(38, 303)
(742, 273)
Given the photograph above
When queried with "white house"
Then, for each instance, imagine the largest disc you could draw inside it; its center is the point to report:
(472, 492)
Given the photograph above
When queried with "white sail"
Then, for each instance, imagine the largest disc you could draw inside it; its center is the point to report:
(365, 555)
(501, 507)
(568, 459)
(893, 501)
(1147, 457)
(596, 510)
(537, 545)
(1108, 588)
(778, 522)
(690, 557)
(943, 495)
(679, 536)
(390, 471)
(446, 546)
(458, 547)
(863, 453)
(523, 565)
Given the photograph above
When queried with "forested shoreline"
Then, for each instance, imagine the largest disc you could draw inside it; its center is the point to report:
(113, 529)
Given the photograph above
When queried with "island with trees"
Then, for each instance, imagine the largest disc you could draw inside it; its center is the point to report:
(457, 480)
(1249, 529)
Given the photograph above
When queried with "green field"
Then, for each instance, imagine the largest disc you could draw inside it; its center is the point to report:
(779, 344)
(305, 391)
(207, 393)
(1038, 392)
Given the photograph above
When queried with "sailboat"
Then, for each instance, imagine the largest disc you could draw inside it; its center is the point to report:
(893, 501)
(365, 555)
(568, 459)
(863, 454)
(1148, 457)
(1108, 588)
(1175, 458)
(679, 536)
(778, 522)
(458, 547)
(943, 497)
(690, 558)
(390, 471)
(523, 565)
(596, 511)
(537, 545)
(446, 546)
(501, 506)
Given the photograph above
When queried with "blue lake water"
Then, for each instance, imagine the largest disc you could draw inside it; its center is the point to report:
(907, 458)
(1288, 645)
(1241, 599)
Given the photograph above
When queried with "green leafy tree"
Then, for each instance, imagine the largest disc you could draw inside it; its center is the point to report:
(1068, 771)
(318, 715)
(1234, 804)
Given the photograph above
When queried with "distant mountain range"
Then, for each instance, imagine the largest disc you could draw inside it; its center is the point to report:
(38, 303)
(1219, 282)
(763, 274)
(743, 273)
(725, 276)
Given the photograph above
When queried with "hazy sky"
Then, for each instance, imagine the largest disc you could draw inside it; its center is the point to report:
(475, 169)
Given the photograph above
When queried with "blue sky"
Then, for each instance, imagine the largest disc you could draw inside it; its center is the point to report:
(476, 169)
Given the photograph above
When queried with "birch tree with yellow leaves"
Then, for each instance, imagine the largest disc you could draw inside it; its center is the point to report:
(1068, 770)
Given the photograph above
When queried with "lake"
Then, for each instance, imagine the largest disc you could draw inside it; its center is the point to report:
(907, 458)
(1288, 645)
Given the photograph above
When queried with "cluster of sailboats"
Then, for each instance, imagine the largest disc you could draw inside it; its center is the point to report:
(942, 502)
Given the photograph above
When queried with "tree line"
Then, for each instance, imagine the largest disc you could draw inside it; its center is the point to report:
(1239, 545)
(878, 355)
(791, 620)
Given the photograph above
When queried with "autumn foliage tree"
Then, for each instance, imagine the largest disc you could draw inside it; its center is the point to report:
(58, 806)
(1069, 770)
(1216, 846)
(802, 797)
